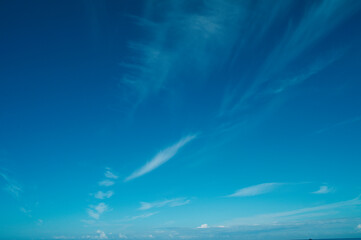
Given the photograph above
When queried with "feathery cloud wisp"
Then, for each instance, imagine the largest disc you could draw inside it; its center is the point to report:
(170, 203)
(143, 216)
(96, 210)
(323, 190)
(103, 195)
(256, 190)
(109, 174)
(358, 227)
(106, 183)
(161, 158)
(11, 185)
(203, 226)
(122, 236)
(102, 235)
(299, 213)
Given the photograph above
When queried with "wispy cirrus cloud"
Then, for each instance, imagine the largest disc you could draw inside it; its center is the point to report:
(255, 190)
(147, 215)
(296, 214)
(103, 195)
(323, 190)
(109, 174)
(161, 158)
(317, 21)
(178, 37)
(102, 234)
(358, 227)
(340, 124)
(166, 203)
(106, 183)
(95, 211)
(11, 186)
(203, 226)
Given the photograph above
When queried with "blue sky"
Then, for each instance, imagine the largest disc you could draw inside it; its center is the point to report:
(180, 119)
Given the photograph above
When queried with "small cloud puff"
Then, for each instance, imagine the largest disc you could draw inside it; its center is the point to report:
(122, 236)
(203, 226)
(170, 203)
(106, 183)
(103, 195)
(256, 190)
(97, 210)
(102, 235)
(109, 174)
(142, 216)
(323, 190)
(161, 158)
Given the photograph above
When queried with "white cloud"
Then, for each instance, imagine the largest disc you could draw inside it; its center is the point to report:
(93, 214)
(323, 190)
(63, 237)
(95, 211)
(103, 195)
(320, 19)
(203, 226)
(11, 185)
(122, 236)
(106, 183)
(142, 216)
(340, 124)
(102, 235)
(200, 34)
(109, 174)
(26, 211)
(161, 158)
(170, 203)
(256, 190)
(296, 214)
(358, 227)
(101, 207)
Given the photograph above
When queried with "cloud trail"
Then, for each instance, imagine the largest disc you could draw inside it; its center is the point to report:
(103, 195)
(299, 213)
(318, 21)
(323, 190)
(169, 203)
(256, 190)
(161, 158)
(147, 215)
(95, 211)
(340, 124)
(109, 174)
(106, 183)
(11, 185)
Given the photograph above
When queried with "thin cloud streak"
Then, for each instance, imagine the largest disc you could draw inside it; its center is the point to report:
(103, 195)
(106, 183)
(317, 22)
(300, 213)
(147, 215)
(256, 190)
(95, 211)
(323, 190)
(167, 203)
(161, 158)
(11, 185)
(109, 174)
(340, 124)
(200, 34)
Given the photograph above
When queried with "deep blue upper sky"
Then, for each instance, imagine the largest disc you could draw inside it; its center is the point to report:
(176, 119)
